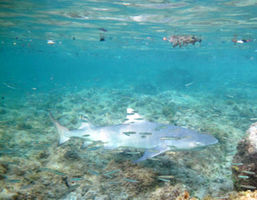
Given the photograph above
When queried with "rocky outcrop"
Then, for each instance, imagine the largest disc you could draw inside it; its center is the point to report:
(244, 166)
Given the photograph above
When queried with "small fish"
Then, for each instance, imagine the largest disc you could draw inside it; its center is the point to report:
(156, 159)
(166, 176)
(133, 152)
(153, 150)
(13, 180)
(248, 187)
(9, 163)
(53, 171)
(128, 133)
(130, 180)
(76, 179)
(145, 133)
(117, 151)
(237, 164)
(114, 182)
(188, 84)
(58, 173)
(7, 85)
(243, 177)
(111, 172)
(164, 180)
(170, 138)
(140, 118)
(25, 187)
(248, 172)
(160, 127)
(94, 148)
(93, 172)
(230, 96)
(86, 135)
(7, 151)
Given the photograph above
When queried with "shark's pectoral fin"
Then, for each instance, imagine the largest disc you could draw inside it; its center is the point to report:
(63, 139)
(152, 153)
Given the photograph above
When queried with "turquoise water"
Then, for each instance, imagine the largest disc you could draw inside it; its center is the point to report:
(209, 87)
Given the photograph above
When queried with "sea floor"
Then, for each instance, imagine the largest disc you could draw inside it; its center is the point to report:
(32, 165)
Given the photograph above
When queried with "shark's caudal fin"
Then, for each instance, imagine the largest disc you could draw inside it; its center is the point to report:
(61, 130)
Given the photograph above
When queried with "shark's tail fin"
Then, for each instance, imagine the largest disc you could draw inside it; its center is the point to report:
(62, 131)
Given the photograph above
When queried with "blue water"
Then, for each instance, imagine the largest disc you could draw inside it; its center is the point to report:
(210, 86)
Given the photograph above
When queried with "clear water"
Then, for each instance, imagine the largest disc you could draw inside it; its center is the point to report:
(210, 87)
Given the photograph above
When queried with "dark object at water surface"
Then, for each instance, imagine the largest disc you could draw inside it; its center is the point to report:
(102, 38)
(241, 41)
(103, 29)
(183, 40)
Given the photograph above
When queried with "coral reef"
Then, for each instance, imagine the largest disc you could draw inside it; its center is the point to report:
(134, 178)
(246, 195)
(33, 166)
(244, 164)
(169, 192)
(243, 195)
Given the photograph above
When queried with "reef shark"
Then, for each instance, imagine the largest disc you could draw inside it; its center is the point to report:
(136, 132)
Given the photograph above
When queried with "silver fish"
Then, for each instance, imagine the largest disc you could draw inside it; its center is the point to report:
(130, 180)
(113, 136)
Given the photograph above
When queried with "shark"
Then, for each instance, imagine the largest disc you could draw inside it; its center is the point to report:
(136, 132)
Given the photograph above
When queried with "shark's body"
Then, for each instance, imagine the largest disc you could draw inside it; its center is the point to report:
(135, 132)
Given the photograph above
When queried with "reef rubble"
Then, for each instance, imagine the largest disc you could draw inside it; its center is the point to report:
(244, 164)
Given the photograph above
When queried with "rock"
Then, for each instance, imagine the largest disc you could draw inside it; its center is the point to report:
(23, 126)
(3, 168)
(244, 166)
(169, 192)
(169, 110)
(2, 111)
(71, 155)
(6, 194)
(3, 171)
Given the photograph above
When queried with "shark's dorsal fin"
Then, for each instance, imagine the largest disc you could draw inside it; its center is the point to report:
(85, 125)
(133, 117)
